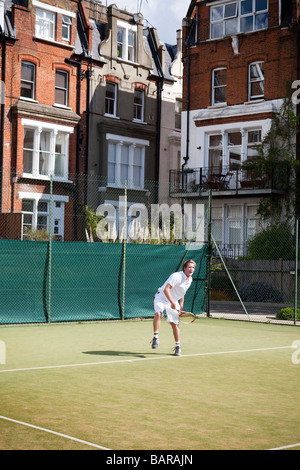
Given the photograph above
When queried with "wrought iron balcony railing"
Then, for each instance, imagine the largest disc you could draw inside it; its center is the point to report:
(196, 180)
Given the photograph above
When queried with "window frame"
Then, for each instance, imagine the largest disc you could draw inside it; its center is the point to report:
(64, 89)
(257, 80)
(126, 28)
(33, 82)
(214, 88)
(139, 108)
(42, 23)
(109, 100)
(66, 25)
(58, 212)
(55, 131)
(117, 142)
(221, 21)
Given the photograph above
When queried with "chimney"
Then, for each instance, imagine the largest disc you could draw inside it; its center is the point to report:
(179, 41)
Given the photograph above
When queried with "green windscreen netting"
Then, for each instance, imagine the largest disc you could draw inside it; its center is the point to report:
(79, 281)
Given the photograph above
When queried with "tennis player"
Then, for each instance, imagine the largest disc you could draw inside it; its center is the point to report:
(170, 298)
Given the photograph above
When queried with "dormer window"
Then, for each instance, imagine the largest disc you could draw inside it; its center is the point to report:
(126, 41)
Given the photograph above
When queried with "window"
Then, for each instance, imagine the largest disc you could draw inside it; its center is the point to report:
(27, 216)
(45, 150)
(243, 16)
(217, 224)
(254, 15)
(61, 87)
(139, 105)
(27, 80)
(66, 28)
(235, 214)
(126, 161)
(111, 99)
(215, 153)
(131, 46)
(256, 80)
(178, 112)
(219, 86)
(234, 150)
(45, 24)
(126, 41)
(253, 140)
(36, 214)
(252, 222)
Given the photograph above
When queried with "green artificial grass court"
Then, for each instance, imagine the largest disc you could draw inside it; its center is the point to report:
(101, 386)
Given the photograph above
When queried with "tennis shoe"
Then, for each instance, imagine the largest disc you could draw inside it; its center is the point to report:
(155, 343)
(177, 351)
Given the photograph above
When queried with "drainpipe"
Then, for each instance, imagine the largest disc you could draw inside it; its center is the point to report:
(186, 158)
(79, 73)
(160, 82)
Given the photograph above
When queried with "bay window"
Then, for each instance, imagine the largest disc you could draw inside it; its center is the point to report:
(45, 150)
(126, 161)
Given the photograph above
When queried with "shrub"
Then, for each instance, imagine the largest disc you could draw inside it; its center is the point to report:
(260, 292)
(274, 243)
(288, 314)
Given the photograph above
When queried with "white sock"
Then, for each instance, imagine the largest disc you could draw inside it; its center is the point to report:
(155, 335)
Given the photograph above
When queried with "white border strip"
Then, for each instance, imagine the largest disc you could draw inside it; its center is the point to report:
(286, 447)
(61, 366)
(54, 432)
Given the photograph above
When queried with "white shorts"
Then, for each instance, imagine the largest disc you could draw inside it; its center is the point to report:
(161, 306)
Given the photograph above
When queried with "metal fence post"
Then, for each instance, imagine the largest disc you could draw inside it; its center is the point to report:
(209, 254)
(296, 271)
(50, 250)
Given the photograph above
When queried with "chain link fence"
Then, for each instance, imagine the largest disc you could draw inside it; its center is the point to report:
(85, 249)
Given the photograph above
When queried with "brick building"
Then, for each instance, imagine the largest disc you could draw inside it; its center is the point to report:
(42, 116)
(239, 57)
(87, 91)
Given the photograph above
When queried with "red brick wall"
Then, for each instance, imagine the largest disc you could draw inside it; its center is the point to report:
(276, 46)
(47, 58)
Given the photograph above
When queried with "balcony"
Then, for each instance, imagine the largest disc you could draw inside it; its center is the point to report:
(227, 182)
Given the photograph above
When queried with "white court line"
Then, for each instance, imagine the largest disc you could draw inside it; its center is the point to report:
(54, 432)
(286, 447)
(60, 366)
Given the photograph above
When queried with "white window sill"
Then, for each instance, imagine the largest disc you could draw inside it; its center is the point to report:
(46, 178)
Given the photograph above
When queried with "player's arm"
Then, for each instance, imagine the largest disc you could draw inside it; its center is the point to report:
(167, 292)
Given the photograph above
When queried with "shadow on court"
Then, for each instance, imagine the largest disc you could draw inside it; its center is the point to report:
(117, 353)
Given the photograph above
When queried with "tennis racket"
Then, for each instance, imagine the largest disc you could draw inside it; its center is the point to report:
(186, 317)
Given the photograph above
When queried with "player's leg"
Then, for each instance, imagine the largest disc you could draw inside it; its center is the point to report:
(156, 327)
(176, 334)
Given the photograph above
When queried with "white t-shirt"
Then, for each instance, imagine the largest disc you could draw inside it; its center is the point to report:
(179, 284)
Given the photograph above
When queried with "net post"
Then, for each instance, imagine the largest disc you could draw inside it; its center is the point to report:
(124, 242)
(209, 255)
(50, 249)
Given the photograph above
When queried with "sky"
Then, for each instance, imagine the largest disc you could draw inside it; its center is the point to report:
(164, 15)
